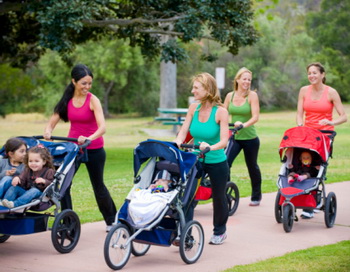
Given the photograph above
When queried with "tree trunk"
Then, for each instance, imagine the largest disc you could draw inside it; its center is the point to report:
(168, 97)
(106, 97)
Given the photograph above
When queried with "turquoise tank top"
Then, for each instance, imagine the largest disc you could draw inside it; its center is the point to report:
(208, 132)
(243, 114)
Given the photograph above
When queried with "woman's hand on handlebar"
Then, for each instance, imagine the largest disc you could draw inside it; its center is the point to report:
(239, 125)
(47, 135)
(82, 139)
(203, 146)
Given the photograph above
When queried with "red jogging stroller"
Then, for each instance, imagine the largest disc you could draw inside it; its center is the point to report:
(309, 193)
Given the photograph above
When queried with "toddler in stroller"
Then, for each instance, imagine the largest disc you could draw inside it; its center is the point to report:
(304, 168)
(33, 217)
(309, 191)
(167, 218)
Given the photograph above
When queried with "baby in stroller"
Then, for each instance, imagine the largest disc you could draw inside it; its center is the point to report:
(162, 182)
(146, 204)
(304, 169)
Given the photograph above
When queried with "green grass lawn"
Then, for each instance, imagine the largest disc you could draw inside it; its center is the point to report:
(123, 134)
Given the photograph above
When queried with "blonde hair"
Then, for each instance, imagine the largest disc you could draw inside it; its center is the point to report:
(209, 84)
(238, 76)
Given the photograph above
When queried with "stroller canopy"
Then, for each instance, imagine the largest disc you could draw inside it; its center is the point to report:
(165, 150)
(308, 138)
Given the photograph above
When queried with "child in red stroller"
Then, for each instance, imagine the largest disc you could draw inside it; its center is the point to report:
(307, 189)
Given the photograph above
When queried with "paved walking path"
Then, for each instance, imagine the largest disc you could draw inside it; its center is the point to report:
(253, 235)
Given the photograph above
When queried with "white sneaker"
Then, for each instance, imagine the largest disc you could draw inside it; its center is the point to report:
(307, 215)
(218, 239)
(108, 228)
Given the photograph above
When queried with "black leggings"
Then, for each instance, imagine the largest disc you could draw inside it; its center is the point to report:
(218, 175)
(95, 166)
(250, 149)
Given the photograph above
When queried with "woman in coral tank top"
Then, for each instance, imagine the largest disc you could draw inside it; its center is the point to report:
(315, 106)
(84, 112)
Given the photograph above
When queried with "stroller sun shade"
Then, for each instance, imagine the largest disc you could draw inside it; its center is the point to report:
(308, 138)
(166, 151)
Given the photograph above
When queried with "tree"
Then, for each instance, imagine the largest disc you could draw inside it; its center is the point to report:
(330, 28)
(29, 27)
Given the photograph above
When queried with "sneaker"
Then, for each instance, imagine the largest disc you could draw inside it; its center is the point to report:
(176, 242)
(217, 239)
(108, 228)
(254, 203)
(307, 215)
(8, 204)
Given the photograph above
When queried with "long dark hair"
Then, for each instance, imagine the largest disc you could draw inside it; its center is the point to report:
(79, 71)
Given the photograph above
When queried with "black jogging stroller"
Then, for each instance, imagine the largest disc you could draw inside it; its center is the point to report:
(167, 221)
(34, 216)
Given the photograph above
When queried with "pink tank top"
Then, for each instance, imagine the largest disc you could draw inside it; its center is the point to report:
(83, 122)
(316, 110)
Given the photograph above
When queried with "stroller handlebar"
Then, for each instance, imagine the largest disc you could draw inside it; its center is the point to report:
(59, 138)
(235, 129)
(193, 146)
(330, 133)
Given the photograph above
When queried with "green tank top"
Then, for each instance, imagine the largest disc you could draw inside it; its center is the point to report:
(243, 114)
(208, 132)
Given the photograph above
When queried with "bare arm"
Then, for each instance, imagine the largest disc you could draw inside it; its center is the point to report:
(222, 120)
(335, 99)
(228, 98)
(55, 118)
(300, 108)
(181, 136)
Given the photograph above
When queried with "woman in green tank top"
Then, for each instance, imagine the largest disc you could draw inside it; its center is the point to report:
(207, 122)
(243, 106)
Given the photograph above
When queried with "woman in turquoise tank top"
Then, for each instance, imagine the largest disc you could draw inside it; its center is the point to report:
(207, 122)
(243, 106)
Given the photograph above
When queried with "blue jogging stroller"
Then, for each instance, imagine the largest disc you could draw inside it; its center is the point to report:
(34, 216)
(167, 220)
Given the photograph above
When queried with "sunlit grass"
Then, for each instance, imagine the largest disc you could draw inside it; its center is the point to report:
(316, 259)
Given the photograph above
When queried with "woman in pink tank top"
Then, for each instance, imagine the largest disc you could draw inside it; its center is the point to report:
(84, 112)
(315, 107)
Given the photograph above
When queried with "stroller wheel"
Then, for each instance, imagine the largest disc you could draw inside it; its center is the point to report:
(4, 238)
(232, 194)
(330, 211)
(191, 242)
(138, 249)
(65, 231)
(288, 217)
(116, 252)
(278, 208)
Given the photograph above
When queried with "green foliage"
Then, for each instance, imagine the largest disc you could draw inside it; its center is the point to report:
(16, 91)
(277, 61)
(61, 25)
(330, 28)
(120, 76)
